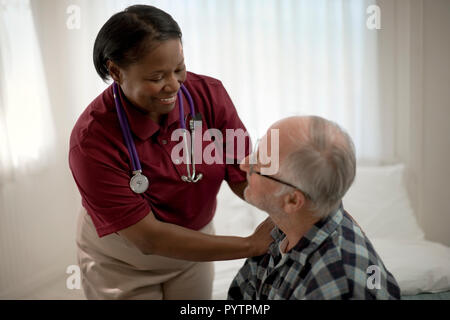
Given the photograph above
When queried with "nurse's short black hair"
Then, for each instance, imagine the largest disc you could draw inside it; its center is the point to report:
(128, 35)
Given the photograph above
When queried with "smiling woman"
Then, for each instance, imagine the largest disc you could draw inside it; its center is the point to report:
(149, 72)
(155, 242)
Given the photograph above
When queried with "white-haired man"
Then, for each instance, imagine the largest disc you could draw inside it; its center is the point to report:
(319, 252)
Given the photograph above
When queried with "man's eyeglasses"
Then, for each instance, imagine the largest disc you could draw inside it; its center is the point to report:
(252, 160)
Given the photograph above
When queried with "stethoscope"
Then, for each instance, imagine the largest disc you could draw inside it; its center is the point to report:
(139, 182)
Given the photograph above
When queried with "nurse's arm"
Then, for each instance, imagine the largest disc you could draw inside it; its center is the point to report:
(152, 236)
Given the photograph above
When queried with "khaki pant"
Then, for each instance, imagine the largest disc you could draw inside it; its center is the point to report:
(113, 268)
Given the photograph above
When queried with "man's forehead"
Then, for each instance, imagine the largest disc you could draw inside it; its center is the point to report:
(289, 130)
(290, 124)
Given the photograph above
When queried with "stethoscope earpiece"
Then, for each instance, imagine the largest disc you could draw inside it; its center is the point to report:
(199, 177)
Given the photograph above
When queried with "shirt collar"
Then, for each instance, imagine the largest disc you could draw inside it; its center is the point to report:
(311, 240)
(142, 126)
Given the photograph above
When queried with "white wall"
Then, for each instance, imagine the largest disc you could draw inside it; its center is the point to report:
(414, 62)
(436, 120)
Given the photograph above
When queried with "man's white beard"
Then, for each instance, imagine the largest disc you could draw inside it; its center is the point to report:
(267, 204)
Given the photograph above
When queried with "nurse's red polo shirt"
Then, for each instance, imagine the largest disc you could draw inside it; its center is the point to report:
(102, 168)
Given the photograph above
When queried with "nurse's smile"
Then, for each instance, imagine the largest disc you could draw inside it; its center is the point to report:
(169, 101)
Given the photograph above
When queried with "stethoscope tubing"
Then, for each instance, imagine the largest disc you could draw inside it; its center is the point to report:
(130, 142)
(180, 105)
(126, 131)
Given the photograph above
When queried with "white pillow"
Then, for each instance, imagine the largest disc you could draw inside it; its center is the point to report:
(379, 202)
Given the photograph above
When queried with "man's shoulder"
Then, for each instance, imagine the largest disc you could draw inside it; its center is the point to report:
(346, 246)
(348, 257)
(354, 245)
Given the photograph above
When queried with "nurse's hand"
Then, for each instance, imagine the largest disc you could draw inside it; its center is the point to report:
(261, 238)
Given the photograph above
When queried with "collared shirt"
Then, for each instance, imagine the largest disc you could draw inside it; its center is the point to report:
(334, 260)
(102, 167)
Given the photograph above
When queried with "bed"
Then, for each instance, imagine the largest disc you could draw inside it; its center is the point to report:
(421, 267)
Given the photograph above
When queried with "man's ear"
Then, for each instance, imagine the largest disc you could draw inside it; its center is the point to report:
(293, 201)
(114, 71)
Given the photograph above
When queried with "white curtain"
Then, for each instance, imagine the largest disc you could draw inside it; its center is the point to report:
(26, 126)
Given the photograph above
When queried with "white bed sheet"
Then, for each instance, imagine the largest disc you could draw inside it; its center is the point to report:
(224, 274)
(417, 265)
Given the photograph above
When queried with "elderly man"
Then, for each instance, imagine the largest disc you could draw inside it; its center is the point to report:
(319, 252)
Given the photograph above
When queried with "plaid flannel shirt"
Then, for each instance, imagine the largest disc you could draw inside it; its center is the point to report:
(331, 261)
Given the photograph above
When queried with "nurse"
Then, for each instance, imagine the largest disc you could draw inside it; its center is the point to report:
(158, 244)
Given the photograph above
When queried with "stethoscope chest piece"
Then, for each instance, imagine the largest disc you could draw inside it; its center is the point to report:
(139, 182)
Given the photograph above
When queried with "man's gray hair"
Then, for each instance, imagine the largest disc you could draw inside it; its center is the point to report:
(322, 164)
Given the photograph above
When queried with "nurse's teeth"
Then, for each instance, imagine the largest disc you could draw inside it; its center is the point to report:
(168, 100)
